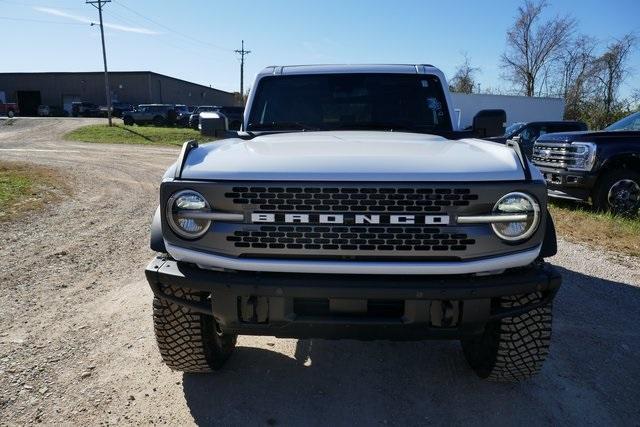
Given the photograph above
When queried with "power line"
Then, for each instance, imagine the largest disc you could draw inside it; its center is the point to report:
(41, 21)
(242, 53)
(98, 4)
(186, 36)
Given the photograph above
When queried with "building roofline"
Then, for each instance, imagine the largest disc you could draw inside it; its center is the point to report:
(115, 72)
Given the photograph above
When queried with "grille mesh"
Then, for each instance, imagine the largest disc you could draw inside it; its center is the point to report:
(387, 238)
(351, 199)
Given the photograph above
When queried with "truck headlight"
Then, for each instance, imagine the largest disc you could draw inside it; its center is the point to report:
(183, 209)
(583, 156)
(523, 213)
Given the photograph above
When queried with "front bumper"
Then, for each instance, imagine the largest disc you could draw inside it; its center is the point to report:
(573, 185)
(402, 307)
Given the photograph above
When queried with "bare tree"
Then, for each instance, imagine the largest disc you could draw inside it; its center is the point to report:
(532, 45)
(463, 80)
(612, 70)
(576, 68)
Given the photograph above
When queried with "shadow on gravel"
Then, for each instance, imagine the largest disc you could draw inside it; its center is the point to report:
(590, 377)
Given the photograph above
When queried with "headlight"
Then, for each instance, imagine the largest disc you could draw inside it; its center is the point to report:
(183, 209)
(583, 156)
(521, 206)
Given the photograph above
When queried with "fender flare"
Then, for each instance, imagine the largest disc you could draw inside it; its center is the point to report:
(550, 242)
(156, 240)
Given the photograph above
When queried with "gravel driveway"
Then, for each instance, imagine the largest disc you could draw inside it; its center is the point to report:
(77, 345)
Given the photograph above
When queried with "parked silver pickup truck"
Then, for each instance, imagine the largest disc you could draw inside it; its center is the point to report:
(349, 206)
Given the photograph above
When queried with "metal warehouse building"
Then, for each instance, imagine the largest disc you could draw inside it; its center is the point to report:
(136, 87)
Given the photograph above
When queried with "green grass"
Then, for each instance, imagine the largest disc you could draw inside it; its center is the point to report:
(25, 188)
(14, 185)
(599, 229)
(145, 135)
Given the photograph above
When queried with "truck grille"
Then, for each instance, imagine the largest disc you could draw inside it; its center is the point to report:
(369, 220)
(555, 155)
(297, 237)
(351, 199)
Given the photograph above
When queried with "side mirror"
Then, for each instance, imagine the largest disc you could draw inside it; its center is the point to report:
(489, 123)
(213, 124)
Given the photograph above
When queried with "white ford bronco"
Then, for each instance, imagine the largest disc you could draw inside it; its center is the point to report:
(350, 206)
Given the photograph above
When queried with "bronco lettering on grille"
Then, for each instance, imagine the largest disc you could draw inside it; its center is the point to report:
(297, 218)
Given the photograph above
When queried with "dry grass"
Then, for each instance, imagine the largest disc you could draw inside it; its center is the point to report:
(578, 223)
(27, 187)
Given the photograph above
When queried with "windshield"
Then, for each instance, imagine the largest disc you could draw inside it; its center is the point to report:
(350, 102)
(513, 128)
(631, 122)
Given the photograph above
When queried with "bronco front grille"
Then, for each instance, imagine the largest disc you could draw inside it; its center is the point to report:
(351, 199)
(298, 237)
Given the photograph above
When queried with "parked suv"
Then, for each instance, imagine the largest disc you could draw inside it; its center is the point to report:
(352, 207)
(526, 134)
(157, 114)
(602, 167)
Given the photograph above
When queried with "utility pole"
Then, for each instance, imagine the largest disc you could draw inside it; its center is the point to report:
(98, 4)
(242, 53)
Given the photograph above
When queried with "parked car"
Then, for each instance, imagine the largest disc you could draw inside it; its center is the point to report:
(85, 109)
(337, 215)
(527, 133)
(157, 114)
(43, 111)
(8, 109)
(118, 108)
(194, 118)
(182, 115)
(602, 167)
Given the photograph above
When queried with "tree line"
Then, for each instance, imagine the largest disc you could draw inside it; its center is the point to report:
(550, 58)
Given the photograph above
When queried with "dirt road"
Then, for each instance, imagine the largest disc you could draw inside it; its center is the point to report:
(77, 346)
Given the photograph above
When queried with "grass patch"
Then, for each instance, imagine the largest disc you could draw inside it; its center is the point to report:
(146, 135)
(25, 187)
(579, 223)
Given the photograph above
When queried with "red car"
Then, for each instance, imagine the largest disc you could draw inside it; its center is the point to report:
(9, 109)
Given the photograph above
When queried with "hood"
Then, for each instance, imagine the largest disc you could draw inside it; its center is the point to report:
(352, 156)
(589, 136)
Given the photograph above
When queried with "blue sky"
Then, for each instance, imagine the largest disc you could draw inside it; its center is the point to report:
(195, 39)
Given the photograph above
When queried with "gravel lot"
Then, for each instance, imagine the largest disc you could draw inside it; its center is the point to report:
(77, 345)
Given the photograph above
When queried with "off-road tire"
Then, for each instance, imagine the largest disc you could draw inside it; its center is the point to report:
(606, 182)
(189, 341)
(513, 348)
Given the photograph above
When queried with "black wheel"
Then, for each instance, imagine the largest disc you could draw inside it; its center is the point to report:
(618, 191)
(158, 120)
(513, 348)
(128, 120)
(188, 341)
(11, 114)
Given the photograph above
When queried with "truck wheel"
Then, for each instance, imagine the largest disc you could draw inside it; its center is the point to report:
(11, 114)
(188, 341)
(618, 191)
(158, 120)
(513, 348)
(128, 120)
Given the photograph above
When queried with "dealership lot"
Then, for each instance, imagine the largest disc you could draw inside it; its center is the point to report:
(76, 337)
